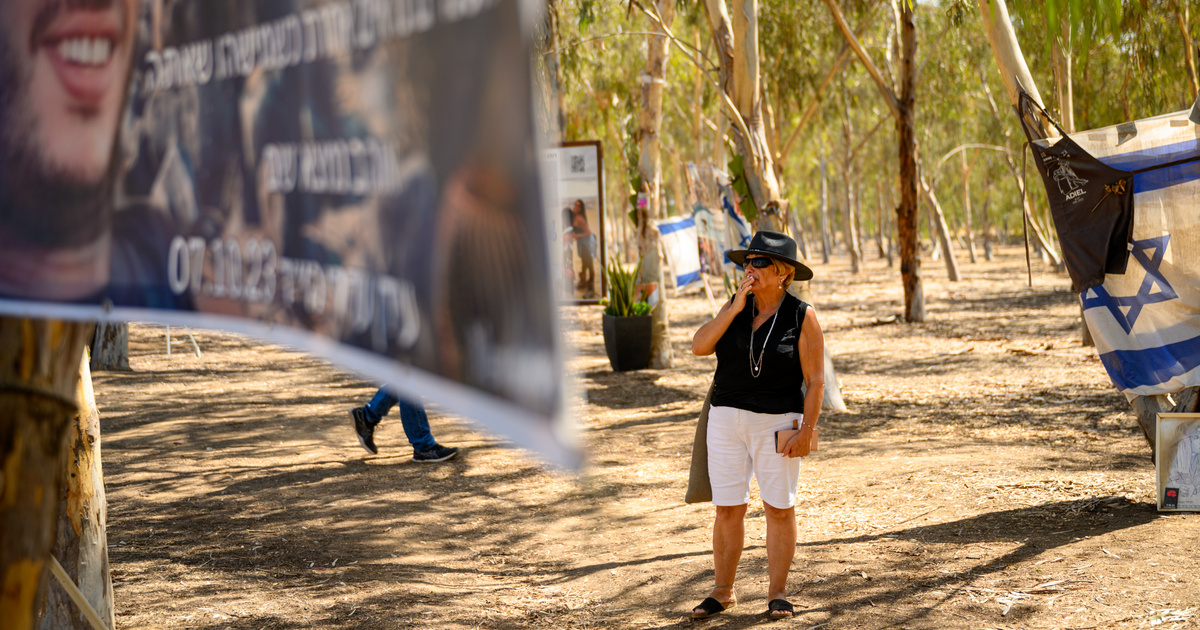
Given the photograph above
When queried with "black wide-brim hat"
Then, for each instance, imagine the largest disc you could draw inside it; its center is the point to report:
(775, 245)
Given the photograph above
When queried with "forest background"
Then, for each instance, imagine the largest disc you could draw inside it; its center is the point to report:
(830, 133)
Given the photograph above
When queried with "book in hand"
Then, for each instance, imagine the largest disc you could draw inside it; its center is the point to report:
(782, 436)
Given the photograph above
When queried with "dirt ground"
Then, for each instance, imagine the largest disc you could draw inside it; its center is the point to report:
(985, 475)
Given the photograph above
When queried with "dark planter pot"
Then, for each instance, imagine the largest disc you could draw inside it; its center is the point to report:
(627, 342)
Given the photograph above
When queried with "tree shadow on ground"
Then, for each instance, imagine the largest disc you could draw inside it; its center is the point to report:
(1034, 530)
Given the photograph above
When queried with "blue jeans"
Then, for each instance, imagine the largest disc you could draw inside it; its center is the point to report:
(412, 417)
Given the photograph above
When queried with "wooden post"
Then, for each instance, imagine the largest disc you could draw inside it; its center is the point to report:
(39, 365)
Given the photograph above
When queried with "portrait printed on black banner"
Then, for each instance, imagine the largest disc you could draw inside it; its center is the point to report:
(341, 184)
(64, 66)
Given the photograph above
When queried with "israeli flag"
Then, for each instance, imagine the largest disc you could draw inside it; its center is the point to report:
(682, 247)
(1146, 321)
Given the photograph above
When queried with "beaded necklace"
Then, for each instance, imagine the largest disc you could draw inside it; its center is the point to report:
(756, 366)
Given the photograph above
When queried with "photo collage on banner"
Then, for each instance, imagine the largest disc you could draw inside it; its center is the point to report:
(574, 192)
(720, 225)
(704, 191)
(351, 177)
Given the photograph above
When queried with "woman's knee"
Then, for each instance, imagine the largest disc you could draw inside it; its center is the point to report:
(735, 512)
(778, 514)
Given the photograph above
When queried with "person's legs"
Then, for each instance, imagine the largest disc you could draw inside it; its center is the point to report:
(366, 417)
(777, 479)
(729, 469)
(382, 403)
(781, 549)
(729, 536)
(587, 256)
(416, 425)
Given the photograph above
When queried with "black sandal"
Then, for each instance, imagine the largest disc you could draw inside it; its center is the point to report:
(710, 607)
(780, 609)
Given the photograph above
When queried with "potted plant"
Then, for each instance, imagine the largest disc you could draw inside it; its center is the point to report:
(627, 322)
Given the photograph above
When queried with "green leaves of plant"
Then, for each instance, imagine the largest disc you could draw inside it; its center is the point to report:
(622, 291)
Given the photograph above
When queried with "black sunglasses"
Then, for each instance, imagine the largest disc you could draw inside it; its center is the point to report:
(760, 262)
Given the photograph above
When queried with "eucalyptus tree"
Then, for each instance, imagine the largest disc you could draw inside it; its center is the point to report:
(649, 202)
(901, 101)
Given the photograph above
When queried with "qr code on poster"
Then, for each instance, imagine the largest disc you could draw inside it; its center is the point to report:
(578, 164)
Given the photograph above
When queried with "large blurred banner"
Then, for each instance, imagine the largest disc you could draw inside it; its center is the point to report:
(1125, 201)
(353, 177)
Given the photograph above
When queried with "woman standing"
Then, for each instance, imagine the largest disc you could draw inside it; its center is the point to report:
(768, 344)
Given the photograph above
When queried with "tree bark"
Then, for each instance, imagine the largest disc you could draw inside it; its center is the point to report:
(82, 543)
(941, 231)
(697, 102)
(553, 78)
(826, 246)
(110, 347)
(649, 170)
(1009, 58)
(39, 365)
(907, 212)
(903, 109)
(1062, 77)
(747, 97)
(967, 220)
(850, 220)
(852, 240)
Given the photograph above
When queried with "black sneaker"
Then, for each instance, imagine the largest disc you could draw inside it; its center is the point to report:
(365, 429)
(438, 453)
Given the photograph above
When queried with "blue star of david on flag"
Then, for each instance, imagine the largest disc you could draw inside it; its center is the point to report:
(1125, 309)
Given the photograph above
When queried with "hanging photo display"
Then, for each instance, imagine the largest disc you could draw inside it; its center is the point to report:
(1177, 461)
(575, 205)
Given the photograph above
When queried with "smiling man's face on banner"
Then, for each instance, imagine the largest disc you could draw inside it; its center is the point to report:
(64, 68)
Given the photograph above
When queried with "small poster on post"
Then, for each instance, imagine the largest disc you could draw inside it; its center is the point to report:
(1177, 461)
(577, 220)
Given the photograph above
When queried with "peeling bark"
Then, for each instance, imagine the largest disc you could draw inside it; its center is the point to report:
(39, 365)
(82, 544)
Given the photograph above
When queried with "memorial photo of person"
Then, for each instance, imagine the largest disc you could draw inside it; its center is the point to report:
(64, 68)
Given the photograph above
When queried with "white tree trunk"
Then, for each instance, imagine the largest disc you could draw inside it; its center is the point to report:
(1009, 58)
(110, 347)
(649, 169)
(941, 231)
(39, 364)
(967, 220)
(82, 542)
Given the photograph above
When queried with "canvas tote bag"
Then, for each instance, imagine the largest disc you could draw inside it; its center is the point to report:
(699, 489)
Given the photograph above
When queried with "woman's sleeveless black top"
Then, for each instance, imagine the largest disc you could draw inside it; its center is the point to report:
(778, 386)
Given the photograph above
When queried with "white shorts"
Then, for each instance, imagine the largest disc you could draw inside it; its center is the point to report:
(742, 442)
